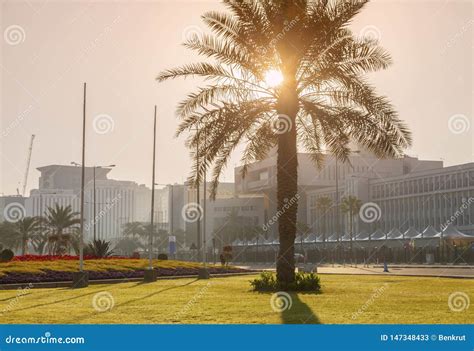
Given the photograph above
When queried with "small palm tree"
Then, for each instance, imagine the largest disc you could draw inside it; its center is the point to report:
(323, 204)
(350, 205)
(60, 219)
(99, 248)
(283, 73)
(27, 228)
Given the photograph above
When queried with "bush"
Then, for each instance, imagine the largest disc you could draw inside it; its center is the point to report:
(6, 255)
(162, 256)
(303, 282)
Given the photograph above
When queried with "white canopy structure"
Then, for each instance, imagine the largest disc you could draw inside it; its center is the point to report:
(378, 235)
(430, 232)
(451, 233)
(395, 234)
(311, 238)
(411, 233)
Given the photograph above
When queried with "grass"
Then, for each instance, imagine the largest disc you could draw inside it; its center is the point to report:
(370, 299)
(91, 265)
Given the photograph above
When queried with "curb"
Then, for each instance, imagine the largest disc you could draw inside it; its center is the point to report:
(401, 275)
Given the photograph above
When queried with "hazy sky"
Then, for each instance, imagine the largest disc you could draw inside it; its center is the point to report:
(50, 48)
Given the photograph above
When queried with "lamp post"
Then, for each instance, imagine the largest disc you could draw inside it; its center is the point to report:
(203, 273)
(81, 278)
(150, 273)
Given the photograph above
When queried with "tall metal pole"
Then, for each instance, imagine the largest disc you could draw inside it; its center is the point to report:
(338, 224)
(94, 210)
(198, 196)
(204, 258)
(337, 202)
(81, 241)
(150, 254)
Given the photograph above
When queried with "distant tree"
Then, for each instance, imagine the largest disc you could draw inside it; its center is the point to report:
(99, 248)
(134, 229)
(323, 204)
(26, 229)
(350, 206)
(60, 220)
(8, 236)
(127, 246)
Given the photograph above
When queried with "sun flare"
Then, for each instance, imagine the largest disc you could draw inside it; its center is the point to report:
(273, 78)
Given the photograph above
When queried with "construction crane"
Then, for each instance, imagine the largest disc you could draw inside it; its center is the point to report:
(28, 160)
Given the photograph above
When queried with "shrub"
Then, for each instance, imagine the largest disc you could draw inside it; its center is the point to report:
(6, 255)
(162, 256)
(303, 282)
(98, 248)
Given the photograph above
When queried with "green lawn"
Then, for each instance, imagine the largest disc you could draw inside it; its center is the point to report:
(345, 299)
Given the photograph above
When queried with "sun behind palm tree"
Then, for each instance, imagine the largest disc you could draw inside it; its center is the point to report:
(285, 72)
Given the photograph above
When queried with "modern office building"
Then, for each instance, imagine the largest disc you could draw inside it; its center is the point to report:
(245, 213)
(114, 204)
(314, 182)
(417, 198)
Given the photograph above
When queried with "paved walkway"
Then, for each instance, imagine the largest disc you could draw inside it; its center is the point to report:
(402, 270)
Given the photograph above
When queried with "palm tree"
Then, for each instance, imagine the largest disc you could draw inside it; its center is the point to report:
(134, 229)
(59, 219)
(285, 72)
(27, 228)
(350, 205)
(323, 204)
(99, 248)
(8, 236)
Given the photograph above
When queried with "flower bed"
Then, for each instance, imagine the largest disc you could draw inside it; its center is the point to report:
(58, 276)
(50, 269)
(61, 257)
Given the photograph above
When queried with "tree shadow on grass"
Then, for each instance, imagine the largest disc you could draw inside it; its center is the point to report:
(293, 310)
(83, 317)
(57, 301)
(299, 312)
(157, 292)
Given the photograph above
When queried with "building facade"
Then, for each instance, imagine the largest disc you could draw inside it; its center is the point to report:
(438, 197)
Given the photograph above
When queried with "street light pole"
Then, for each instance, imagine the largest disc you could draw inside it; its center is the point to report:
(93, 207)
(81, 278)
(203, 272)
(150, 273)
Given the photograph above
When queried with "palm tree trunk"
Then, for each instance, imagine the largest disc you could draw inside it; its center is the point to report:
(287, 185)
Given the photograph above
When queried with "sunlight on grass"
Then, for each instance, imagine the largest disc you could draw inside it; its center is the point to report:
(345, 299)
